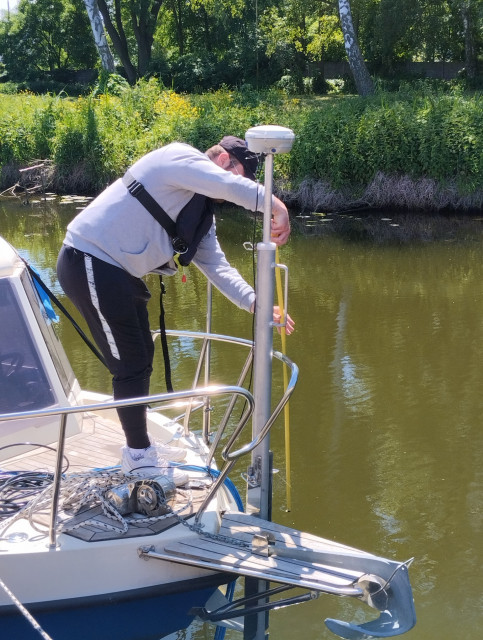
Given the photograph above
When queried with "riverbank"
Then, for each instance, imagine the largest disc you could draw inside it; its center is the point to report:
(419, 148)
(401, 192)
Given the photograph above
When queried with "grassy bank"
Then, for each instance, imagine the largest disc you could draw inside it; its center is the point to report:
(415, 149)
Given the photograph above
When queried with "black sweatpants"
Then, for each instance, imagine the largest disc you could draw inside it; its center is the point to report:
(114, 305)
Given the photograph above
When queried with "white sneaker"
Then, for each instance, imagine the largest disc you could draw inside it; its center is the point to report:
(148, 462)
(174, 454)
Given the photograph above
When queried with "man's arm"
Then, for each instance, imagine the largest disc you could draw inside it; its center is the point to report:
(211, 261)
(280, 222)
(185, 168)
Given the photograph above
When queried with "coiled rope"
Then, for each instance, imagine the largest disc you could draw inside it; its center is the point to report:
(87, 489)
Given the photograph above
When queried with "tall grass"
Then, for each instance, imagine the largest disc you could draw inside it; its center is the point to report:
(347, 149)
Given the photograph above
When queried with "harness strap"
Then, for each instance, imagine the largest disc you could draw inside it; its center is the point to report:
(137, 190)
(37, 278)
(164, 340)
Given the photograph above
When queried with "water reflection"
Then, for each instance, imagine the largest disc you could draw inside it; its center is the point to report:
(349, 384)
(387, 445)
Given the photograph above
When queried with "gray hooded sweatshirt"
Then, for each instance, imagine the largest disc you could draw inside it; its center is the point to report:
(116, 228)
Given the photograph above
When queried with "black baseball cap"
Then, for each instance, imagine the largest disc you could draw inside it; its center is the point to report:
(238, 148)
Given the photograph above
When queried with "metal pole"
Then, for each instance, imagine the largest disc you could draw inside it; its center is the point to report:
(268, 140)
(258, 498)
(205, 356)
(57, 481)
(207, 409)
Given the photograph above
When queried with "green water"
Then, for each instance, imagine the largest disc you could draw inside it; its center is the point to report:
(386, 420)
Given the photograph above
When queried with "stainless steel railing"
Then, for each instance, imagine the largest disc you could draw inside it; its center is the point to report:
(205, 393)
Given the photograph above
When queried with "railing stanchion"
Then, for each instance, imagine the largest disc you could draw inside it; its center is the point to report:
(57, 480)
(207, 410)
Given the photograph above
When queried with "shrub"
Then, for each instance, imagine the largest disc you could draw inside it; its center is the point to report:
(291, 84)
(422, 136)
(110, 83)
(202, 73)
(345, 143)
(320, 84)
(78, 150)
(17, 142)
(8, 88)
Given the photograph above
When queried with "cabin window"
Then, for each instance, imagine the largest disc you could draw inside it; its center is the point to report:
(56, 351)
(24, 385)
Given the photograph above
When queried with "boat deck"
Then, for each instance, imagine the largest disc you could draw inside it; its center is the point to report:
(98, 445)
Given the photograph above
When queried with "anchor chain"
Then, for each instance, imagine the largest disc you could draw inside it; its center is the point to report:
(198, 529)
(85, 489)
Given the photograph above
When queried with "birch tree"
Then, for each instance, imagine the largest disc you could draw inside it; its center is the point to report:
(107, 61)
(362, 78)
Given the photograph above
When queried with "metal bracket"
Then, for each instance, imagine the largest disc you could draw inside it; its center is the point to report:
(261, 543)
(143, 552)
(232, 610)
(254, 473)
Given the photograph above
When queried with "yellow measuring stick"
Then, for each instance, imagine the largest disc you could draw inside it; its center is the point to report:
(286, 410)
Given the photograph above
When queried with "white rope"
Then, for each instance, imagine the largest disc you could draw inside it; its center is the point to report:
(86, 490)
(77, 491)
(24, 611)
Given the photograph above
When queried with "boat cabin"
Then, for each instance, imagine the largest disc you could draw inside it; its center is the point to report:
(34, 371)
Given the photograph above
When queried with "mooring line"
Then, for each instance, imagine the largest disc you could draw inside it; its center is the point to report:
(24, 611)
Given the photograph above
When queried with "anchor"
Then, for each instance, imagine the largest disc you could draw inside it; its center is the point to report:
(391, 596)
(383, 586)
(394, 600)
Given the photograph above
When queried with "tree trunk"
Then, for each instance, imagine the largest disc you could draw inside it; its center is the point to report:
(107, 61)
(143, 22)
(470, 49)
(178, 20)
(118, 38)
(362, 78)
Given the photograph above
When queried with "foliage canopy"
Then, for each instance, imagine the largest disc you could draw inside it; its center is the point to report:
(204, 44)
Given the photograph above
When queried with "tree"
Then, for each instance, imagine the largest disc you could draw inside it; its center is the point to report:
(47, 36)
(468, 17)
(131, 18)
(362, 78)
(107, 61)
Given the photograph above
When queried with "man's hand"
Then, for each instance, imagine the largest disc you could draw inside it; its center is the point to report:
(277, 318)
(280, 222)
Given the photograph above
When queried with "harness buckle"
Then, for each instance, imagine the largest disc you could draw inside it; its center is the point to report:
(179, 245)
(135, 187)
